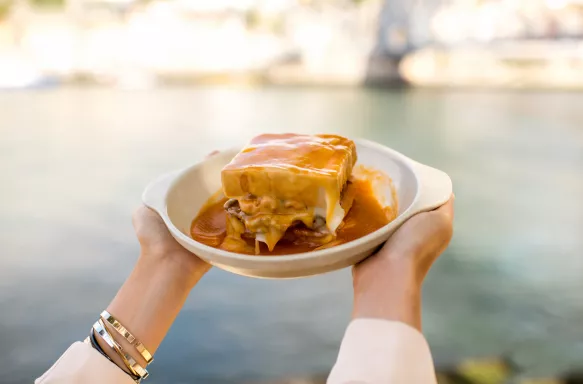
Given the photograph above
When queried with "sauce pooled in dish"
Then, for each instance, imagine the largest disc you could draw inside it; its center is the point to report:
(365, 216)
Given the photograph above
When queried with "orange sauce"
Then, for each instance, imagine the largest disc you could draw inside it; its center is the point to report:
(366, 216)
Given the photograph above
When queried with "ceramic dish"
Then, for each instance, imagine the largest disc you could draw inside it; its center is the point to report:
(178, 197)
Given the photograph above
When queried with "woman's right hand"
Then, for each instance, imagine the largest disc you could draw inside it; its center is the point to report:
(388, 284)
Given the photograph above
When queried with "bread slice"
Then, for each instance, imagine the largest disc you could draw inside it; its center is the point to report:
(279, 179)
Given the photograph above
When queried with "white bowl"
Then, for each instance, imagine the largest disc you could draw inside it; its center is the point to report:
(178, 197)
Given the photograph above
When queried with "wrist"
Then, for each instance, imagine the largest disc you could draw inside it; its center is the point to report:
(177, 268)
(378, 271)
(389, 289)
(153, 294)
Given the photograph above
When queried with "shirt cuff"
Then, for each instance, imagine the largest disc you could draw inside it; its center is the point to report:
(83, 364)
(380, 351)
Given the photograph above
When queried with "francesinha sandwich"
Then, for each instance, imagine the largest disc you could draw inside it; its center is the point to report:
(288, 185)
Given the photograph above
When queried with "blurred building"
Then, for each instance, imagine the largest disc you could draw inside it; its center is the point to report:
(138, 42)
(507, 44)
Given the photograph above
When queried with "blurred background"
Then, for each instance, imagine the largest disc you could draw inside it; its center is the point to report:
(98, 97)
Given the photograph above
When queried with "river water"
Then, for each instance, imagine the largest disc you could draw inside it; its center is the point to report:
(75, 161)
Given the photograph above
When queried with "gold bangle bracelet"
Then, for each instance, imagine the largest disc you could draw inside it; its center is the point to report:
(106, 316)
(129, 361)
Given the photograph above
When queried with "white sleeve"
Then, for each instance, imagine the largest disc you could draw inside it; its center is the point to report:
(81, 364)
(377, 351)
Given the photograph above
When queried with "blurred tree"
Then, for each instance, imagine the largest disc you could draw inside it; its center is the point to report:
(48, 3)
(252, 19)
(5, 7)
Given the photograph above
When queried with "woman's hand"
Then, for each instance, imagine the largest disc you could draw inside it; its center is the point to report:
(159, 247)
(388, 284)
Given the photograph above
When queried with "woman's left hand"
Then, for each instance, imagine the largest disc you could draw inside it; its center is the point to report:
(158, 245)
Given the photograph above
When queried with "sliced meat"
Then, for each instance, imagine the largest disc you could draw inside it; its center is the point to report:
(233, 209)
(304, 234)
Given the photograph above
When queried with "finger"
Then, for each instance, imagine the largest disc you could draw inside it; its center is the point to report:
(143, 216)
(137, 216)
(447, 208)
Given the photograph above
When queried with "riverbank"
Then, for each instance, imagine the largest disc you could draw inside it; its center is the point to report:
(291, 42)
